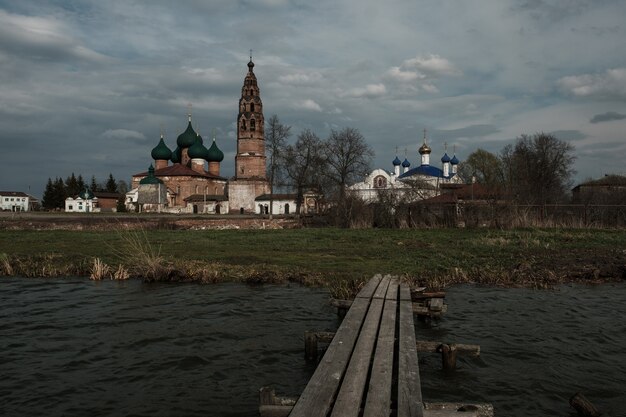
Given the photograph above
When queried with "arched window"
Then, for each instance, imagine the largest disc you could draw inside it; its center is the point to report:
(380, 182)
(286, 208)
(243, 124)
(218, 208)
(196, 190)
(241, 210)
(252, 126)
(261, 209)
(251, 106)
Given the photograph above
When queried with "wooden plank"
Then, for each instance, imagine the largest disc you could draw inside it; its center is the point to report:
(381, 290)
(458, 410)
(355, 380)
(433, 347)
(319, 394)
(378, 400)
(392, 291)
(368, 290)
(419, 309)
(409, 387)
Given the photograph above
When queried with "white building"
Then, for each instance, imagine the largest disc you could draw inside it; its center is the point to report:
(85, 202)
(16, 201)
(287, 203)
(412, 184)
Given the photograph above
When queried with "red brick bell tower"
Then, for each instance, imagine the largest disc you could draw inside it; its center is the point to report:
(250, 159)
(250, 180)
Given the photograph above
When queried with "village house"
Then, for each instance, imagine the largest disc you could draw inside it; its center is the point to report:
(16, 201)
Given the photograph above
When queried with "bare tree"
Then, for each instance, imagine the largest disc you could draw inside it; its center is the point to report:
(304, 163)
(538, 168)
(276, 135)
(348, 157)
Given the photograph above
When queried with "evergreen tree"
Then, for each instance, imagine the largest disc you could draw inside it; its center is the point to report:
(59, 194)
(48, 195)
(121, 206)
(71, 186)
(94, 185)
(111, 185)
(81, 183)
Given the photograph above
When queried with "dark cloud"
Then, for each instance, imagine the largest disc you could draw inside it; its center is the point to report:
(607, 117)
(86, 86)
(473, 131)
(568, 134)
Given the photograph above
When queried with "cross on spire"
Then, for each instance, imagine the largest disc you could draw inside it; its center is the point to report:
(250, 54)
(424, 136)
(189, 111)
(445, 146)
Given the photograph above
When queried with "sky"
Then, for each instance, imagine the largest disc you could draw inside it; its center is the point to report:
(86, 87)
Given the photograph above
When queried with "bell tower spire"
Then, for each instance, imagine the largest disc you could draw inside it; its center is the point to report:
(250, 158)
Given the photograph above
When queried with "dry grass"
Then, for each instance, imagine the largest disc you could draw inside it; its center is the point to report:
(5, 264)
(99, 270)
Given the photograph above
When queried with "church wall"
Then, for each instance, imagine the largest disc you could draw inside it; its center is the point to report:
(241, 194)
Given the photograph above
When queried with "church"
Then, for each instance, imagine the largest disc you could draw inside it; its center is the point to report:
(412, 184)
(188, 179)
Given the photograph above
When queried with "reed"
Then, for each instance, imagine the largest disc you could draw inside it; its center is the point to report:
(99, 270)
(5, 264)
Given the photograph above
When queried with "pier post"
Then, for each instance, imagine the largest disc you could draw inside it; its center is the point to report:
(583, 406)
(310, 345)
(448, 356)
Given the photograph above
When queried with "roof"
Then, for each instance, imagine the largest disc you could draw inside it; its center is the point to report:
(607, 180)
(209, 197)
(266, 197)
(178, 170)
(455, 192)
(427, 170)
(13, 194)
(102, 194)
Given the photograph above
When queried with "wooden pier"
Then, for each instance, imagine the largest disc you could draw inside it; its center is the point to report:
(370, 367)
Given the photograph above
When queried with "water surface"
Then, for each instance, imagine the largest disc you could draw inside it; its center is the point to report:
(76, 347)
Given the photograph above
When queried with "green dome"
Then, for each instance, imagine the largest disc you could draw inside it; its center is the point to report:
(86, 194)
(161, 151)
(197, 150)
(214, 154)
(150, 179)
(176, 155)
(187, 138)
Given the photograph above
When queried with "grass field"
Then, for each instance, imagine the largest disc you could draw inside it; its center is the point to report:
(433, 257)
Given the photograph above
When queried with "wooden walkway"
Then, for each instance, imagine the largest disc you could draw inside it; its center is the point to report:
(370, 368)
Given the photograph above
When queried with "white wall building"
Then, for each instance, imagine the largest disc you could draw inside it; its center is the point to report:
(15, 201)
(85, 202)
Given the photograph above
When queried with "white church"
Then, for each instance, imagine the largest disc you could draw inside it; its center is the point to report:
(412, 184)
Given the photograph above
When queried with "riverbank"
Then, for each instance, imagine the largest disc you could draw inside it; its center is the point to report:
(337, 258)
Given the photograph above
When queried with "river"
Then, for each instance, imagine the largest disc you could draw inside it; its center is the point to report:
(75, 347)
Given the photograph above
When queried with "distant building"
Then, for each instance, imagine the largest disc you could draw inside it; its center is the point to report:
(17, 201)
(85, 202)
(107, 201)
(610, 189)
(412, 184)
(287, 203)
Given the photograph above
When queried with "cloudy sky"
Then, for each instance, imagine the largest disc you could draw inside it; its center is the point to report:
(86, 86)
